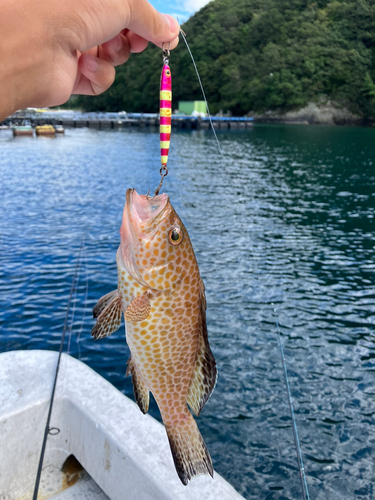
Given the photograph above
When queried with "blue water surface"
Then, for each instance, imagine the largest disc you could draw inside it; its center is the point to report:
(283, 227)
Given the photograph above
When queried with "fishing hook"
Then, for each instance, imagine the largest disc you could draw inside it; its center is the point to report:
(163, 173)
(166, 52)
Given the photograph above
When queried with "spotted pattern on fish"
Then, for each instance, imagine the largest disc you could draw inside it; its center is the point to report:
(170, 354)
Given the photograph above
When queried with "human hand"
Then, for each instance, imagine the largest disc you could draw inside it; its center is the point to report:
(53, 49)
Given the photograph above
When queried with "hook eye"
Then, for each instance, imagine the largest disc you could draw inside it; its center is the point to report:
(166, 51)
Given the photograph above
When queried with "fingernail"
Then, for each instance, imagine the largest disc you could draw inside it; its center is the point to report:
(117, 43)
(173, 24)
(91, 64)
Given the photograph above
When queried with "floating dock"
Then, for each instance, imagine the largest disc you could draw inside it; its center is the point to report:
(107, 121)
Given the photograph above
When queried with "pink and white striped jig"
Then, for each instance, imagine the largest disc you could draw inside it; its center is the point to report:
(165, 109)
(165, 116)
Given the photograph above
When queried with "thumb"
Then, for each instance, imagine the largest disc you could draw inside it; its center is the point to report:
(102, 21)
(147, 22)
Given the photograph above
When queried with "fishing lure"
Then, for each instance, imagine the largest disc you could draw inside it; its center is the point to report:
(165, 116)
(165, 110)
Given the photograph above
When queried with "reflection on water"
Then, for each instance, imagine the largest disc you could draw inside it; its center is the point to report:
(284, 221)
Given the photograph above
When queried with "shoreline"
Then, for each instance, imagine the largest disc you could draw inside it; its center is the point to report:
(328, 113)
(316, 114)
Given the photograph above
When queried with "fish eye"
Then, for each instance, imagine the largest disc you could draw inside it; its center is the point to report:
(175, 236)
(168, 73)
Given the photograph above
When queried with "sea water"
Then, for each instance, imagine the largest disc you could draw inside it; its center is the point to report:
(283, 227)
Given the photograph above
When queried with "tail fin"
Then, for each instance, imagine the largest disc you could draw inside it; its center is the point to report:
(190, 455)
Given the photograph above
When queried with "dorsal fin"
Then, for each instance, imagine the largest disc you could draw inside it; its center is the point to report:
(204, 376)
(141, 393)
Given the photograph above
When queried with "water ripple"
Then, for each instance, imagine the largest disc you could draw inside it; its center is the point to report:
(284, 220)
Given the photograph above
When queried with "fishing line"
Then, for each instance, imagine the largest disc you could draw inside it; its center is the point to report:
(295, 431)
(84, 307)
(294, 426)
(204, 95)
(75, 303)
(74, 300)
(48, 429)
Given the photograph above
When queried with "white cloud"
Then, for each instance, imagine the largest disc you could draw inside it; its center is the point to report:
(194, 5)
(180, 17)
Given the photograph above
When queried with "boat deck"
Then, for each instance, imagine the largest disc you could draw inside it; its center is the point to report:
(54, 487)
(105, 448)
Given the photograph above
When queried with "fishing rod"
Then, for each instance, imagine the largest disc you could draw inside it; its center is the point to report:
(48, 429)
(305, 491)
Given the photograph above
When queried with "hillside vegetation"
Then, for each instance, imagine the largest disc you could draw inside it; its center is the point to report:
(259, 55)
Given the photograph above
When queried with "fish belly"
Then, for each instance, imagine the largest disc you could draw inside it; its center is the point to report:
(163, 351)
(163, 348)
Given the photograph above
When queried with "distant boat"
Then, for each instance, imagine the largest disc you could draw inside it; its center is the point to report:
(59, 129)
(23, 130)
(100, 446)
(45, 130)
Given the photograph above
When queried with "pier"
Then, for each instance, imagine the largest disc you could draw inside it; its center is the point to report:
(107, 121)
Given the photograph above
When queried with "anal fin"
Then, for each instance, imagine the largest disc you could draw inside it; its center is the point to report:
(141, 393)
(109, 319)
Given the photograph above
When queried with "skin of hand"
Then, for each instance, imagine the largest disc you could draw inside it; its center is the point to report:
(53, 49)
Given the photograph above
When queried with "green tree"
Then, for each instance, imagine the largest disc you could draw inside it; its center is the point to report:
(258, 55)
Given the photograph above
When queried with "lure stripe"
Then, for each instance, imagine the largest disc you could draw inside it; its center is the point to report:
(165, 104)
(165, 137)
(165, 95)
(165, 113)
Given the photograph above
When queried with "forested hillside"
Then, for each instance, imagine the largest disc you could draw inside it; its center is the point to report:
(259, 55)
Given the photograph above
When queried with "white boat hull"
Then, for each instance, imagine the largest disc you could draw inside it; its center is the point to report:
(126, 453)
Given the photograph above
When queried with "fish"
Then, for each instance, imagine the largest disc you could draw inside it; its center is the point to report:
(165, 113)
(162, 297)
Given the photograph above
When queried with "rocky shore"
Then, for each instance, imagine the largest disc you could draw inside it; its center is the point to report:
(315, 114)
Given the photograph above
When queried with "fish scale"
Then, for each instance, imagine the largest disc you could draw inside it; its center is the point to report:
(162, 297)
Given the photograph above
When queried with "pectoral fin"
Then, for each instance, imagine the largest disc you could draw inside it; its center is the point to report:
(141, 393)
(109, 319)
(204, 376)
(139, 308)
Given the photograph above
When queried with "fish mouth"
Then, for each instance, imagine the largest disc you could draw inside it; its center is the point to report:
(144, 209)
(142, 215)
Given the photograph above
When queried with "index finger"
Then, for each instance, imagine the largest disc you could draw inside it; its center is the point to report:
(98, 22)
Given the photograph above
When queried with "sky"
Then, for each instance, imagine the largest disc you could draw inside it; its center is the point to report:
(181, 8)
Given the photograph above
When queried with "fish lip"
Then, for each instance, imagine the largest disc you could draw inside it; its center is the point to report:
(139, 206)
(137, 211)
